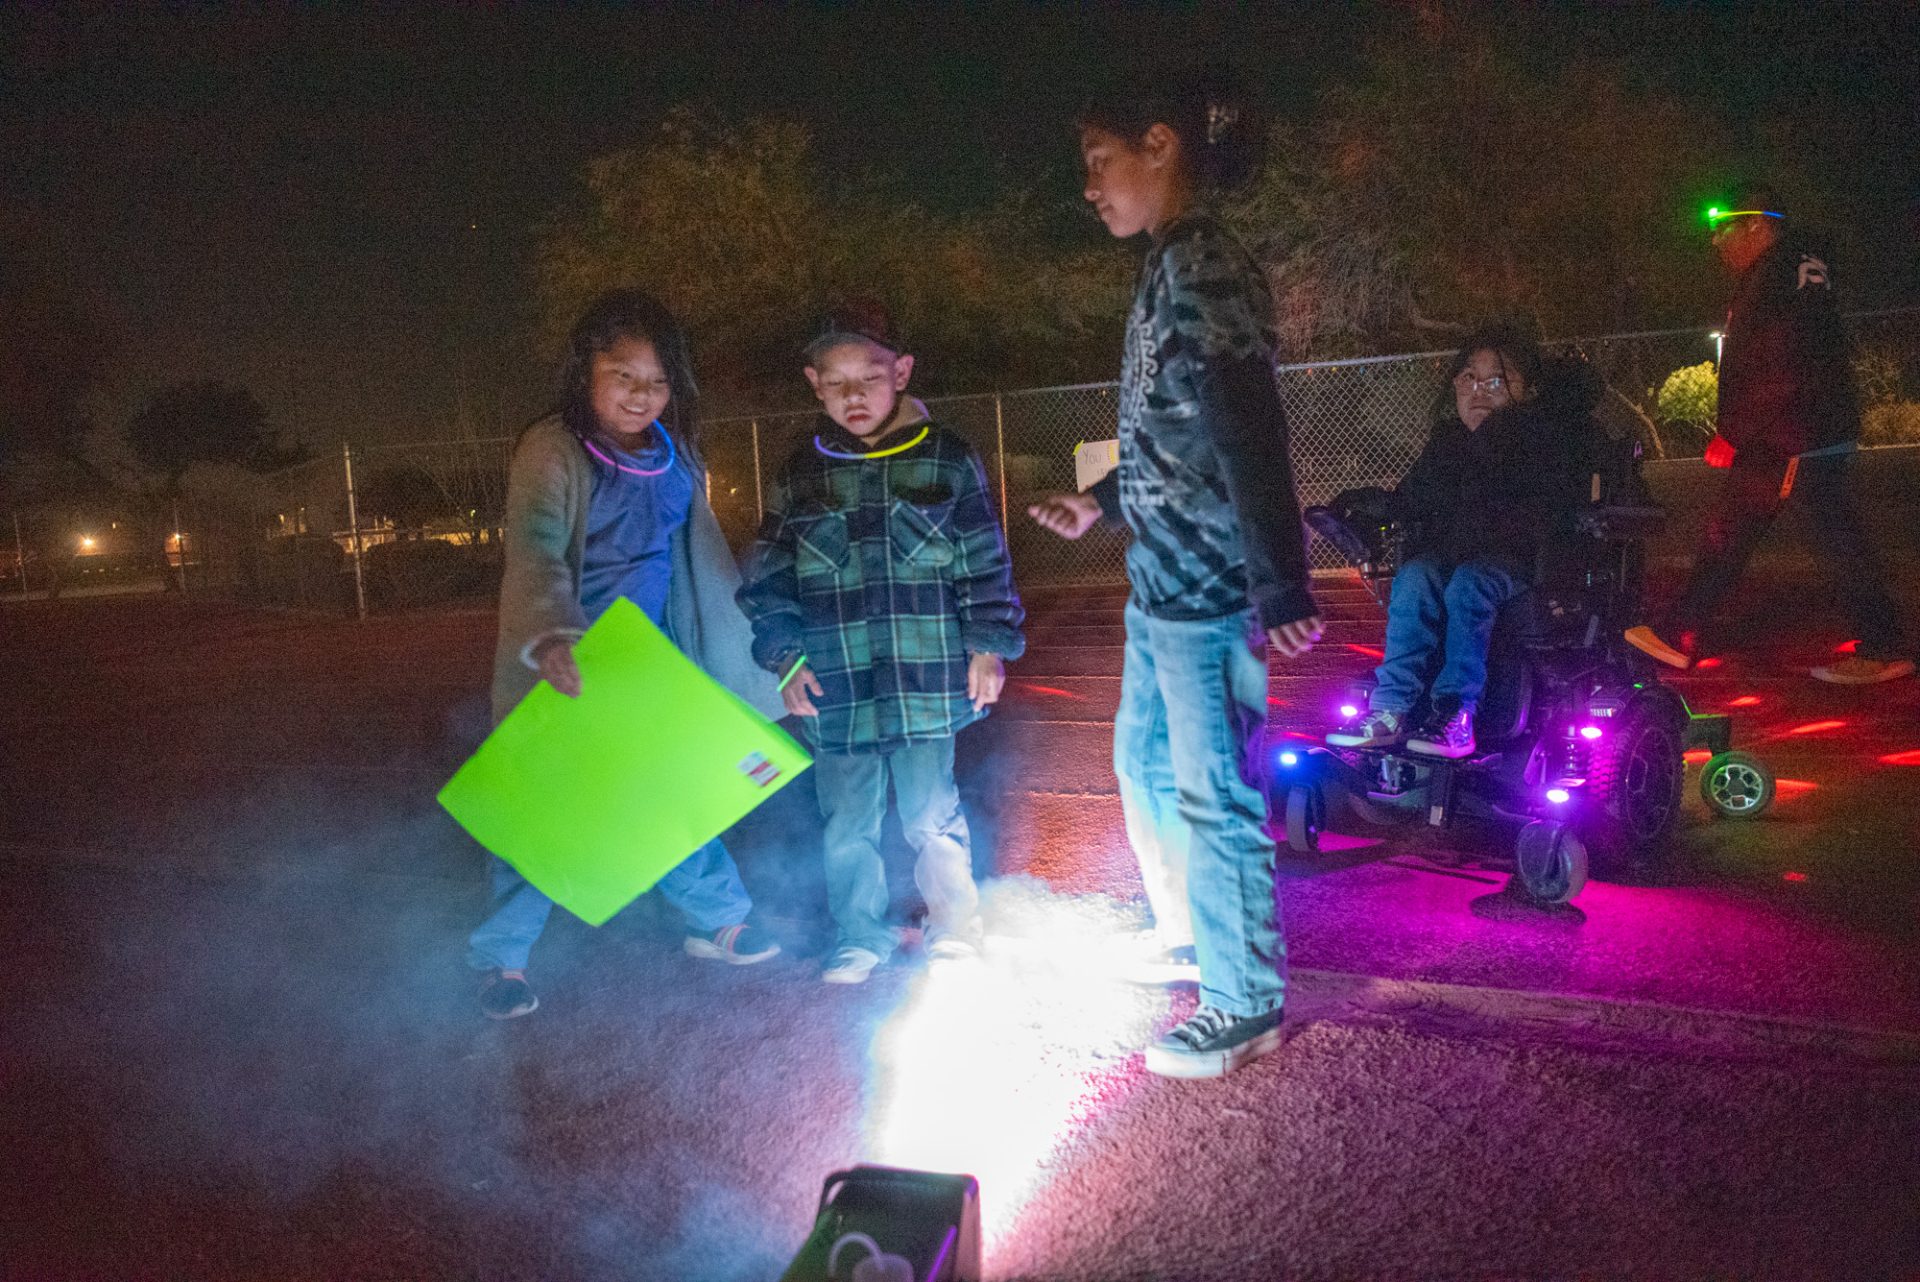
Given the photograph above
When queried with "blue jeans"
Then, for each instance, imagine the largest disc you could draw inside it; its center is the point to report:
(1436, 603)
(1193, 702)
(705, 887)
(853, 798)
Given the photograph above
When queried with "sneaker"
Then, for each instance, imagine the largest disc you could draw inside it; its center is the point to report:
(741, 945)
(1374, 728)
(1451, 738)
(1857, 671)
(505, 994)
(1157, 965)
(951, 948)
(850, 966)
(1648, 642)
(1213, 1043)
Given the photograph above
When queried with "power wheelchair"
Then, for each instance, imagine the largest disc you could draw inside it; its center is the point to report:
(1576, 737)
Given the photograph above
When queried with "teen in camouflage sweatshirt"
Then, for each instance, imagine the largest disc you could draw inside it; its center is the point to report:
(1217, 566)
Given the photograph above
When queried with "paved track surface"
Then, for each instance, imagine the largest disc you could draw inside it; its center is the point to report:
(236, 1040)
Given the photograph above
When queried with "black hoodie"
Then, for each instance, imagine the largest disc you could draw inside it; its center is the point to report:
(1523, 475)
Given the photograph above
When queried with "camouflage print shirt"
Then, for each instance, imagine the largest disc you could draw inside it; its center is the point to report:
(887, 573)
(1204, 480)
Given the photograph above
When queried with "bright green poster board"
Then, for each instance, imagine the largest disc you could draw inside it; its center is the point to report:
(595, 799)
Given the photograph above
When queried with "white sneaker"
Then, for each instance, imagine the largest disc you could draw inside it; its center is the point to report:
(850, 966)
(1856, 671)
(1151, 961)
(949, 948)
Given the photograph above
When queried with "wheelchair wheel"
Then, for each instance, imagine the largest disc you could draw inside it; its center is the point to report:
(1636, 782)
(1551, 861)
(1306, 816)
(1736, 785)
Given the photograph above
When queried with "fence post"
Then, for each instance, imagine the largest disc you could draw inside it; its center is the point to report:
(759, 503)
(20, 551)
(1000, 453)
(180, 546)
(353, 524)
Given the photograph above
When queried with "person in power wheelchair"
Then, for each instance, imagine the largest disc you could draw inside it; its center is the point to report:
(1517, 539)
(1506, 468)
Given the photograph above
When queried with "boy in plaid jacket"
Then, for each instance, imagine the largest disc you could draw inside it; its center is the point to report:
(881, 593)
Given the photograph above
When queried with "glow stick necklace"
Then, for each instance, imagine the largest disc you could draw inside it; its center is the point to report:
(897, 449)
(636, 471)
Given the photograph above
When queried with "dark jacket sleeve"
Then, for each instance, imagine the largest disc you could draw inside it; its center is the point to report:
(1106, 492)
(1241, 405)
(1417, 496)
(1222, 311)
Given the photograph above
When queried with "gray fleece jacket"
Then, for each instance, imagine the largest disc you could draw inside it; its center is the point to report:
(548, 489)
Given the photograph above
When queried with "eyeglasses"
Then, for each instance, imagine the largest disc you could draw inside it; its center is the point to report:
(1467, 383)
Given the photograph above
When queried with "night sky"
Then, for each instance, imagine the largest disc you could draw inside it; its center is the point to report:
(336, 210)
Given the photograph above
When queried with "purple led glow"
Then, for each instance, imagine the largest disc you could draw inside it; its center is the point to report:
(1589, 732)
(1558, 796)
(1289, 758)
(1348, 712)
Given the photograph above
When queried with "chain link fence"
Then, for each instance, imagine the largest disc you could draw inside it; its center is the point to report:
(388, 526)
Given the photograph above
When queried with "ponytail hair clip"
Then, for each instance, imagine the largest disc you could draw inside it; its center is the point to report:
(1220, 118)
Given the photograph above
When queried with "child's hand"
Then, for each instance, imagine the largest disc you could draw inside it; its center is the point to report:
(986, 678)
(555, 658)
(799, 691)
(1294, 639)
(1719, 451)
(1068, 515)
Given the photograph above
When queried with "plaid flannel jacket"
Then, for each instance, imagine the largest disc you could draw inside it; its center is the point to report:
(886, 573)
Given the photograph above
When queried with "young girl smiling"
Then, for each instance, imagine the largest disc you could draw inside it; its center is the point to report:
(605, 499)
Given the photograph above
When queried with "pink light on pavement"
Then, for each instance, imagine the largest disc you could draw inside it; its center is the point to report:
(1712, 661)
(1847, 647)
(1372, 652)
(1792, 787)
(1793, 876)
(1745, 701)
(1054, 691)
(1817, 727)
(1911, 757)
(1696, 756)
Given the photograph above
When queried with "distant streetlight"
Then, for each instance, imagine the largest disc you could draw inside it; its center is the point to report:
(1719, 341)
(87, 543)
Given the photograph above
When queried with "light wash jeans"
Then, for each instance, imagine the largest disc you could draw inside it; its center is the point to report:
(1193, 701)
(1436, 603)
(853, 798)
(705, 887)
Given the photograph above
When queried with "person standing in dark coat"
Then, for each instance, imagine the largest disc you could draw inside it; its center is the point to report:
(1789, 421)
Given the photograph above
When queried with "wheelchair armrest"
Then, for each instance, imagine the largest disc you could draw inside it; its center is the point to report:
(1360, 543)
(1622, 523)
